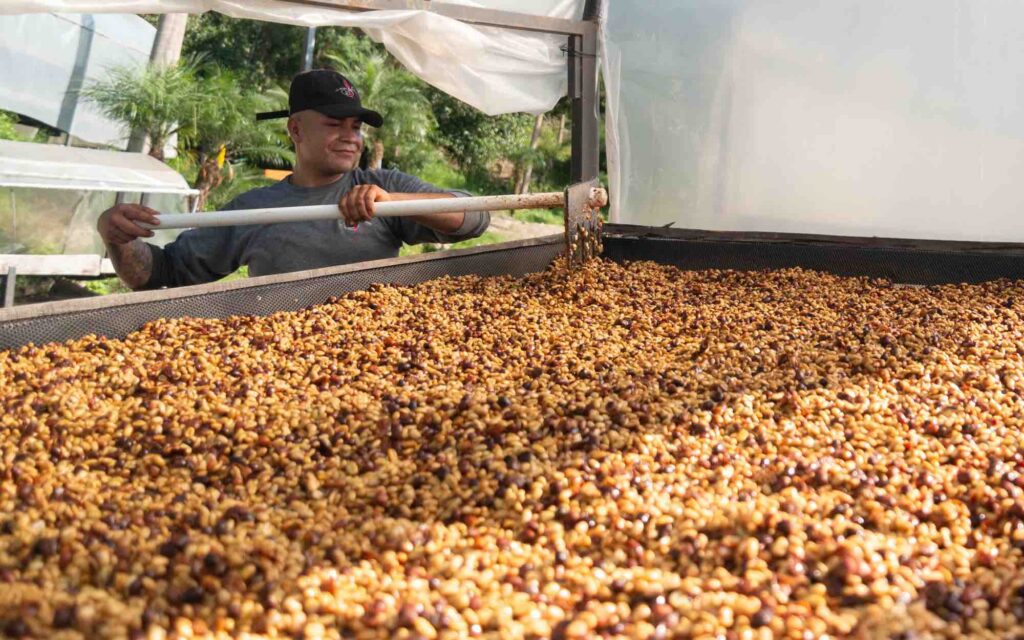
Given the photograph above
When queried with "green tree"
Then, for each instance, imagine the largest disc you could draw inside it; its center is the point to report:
(210, 111)
(7, 130)
(347, 48)
(544, 164)
(477, 142)
(398, 95)
(153, 99)
(223, 132)
(260, 54)
(266, 54)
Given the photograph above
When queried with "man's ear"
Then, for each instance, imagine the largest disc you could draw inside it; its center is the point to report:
(294, 128)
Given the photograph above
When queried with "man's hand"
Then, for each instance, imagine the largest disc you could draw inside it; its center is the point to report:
(357, 205)
(117, 225)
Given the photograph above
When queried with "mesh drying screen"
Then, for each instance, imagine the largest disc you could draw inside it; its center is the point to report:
(117, 316)
(908, 262)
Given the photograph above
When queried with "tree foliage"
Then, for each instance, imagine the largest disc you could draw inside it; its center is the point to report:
(7, 130)
(224, 131)
(210, 110)
(260, 54)
(156, 100)
(549, 160)
(266, 54)
(476, 142)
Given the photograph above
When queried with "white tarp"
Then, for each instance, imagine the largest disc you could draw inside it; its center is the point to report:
(46, 58)
(495, 70)
(848, 117)
(52, 195)
(567, 9)
(50, 166)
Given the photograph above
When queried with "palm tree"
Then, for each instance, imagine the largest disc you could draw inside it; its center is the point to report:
(208, 109)
(398, 95)
(152, 99)
(223, 129)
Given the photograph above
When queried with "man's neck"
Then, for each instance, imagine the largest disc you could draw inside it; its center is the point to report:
(310, 179)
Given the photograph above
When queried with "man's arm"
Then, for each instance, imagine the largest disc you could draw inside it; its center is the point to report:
(133, 262)
(195, 257)
(357, 205)
(131, 257)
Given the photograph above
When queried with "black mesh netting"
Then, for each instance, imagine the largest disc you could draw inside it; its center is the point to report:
(899, 264)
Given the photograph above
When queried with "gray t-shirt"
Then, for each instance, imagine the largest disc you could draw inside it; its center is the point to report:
(210, 253)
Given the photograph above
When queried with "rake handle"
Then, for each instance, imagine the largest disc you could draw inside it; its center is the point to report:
(330, 211)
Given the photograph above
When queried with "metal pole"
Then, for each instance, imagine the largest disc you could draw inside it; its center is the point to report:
(582, 62)
(8, 288)
(582, 54)
(307, 59)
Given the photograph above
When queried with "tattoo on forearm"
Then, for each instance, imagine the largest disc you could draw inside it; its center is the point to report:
(133, 262)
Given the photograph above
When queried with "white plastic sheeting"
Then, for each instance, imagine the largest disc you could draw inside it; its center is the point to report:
(495, 70)
(48, 166)
(45, 59)
(568, 9)
(50, 221)
(849, 117)
(51, 195)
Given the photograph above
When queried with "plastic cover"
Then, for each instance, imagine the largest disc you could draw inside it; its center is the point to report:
(495, 70)
(51, 195)
(851, 117)
(45, 58)
(48, 221)
(567, 9)
(49, 166)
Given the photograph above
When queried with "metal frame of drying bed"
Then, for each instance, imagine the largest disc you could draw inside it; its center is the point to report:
(902, 261)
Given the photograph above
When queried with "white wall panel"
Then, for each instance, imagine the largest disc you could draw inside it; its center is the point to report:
(851, 117)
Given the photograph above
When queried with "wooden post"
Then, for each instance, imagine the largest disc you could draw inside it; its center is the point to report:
(538, 124)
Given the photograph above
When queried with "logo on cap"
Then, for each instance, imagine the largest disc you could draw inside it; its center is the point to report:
(346, 89)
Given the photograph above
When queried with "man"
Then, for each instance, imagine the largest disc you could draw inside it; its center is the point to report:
(325, 120)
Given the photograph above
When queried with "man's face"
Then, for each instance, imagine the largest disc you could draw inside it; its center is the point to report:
(327, 145)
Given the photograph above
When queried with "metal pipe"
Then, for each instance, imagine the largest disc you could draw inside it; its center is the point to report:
(582, 59)
(581, 51)
(7, 291)
(307, 58)
(330, 211)
(593, 10)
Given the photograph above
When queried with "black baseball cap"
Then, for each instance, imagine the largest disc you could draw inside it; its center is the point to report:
(327, 92)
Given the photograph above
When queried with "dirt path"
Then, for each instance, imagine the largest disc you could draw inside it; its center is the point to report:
(511, 229)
